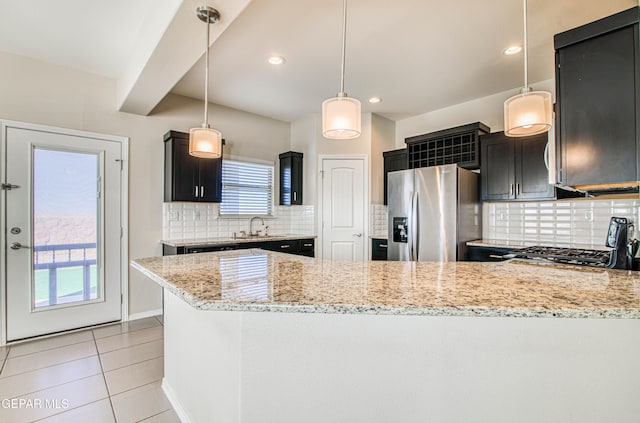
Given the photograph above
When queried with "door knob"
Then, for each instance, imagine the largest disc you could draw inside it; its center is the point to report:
(17, 246)
(358, 234)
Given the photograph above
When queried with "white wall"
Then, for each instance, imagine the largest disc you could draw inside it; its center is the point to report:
(382, 139)
(38, 92)
(488, 110)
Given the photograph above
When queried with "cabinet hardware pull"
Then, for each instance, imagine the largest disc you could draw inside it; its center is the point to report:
(382, 245)
(285, 246)
(511, 189)
(202, 191)
(307, 245)
(518, 189)
(196, 191)
(295, 196)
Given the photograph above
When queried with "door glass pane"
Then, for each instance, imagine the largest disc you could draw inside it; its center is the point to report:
(65, 227)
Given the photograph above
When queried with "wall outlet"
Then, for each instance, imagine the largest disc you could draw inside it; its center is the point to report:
(588, 215)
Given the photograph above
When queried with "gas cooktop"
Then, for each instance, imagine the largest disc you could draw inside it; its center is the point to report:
(597, 258)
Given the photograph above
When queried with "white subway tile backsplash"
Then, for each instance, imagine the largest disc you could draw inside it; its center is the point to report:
(563, 223)
(198, 221)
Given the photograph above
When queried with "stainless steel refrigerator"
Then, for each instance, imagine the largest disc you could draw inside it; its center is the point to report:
(433, 212)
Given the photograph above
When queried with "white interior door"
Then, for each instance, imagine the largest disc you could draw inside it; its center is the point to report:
(63, 230)
(343, 209)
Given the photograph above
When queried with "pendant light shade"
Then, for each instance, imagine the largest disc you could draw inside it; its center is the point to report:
(341, 115)
(529, 112)
(341, 118)
(205, 142)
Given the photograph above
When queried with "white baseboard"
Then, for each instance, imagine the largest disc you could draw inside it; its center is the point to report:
(145, 314)
(168, 391)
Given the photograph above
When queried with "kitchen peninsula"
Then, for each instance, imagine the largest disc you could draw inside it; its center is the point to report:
(258, 336)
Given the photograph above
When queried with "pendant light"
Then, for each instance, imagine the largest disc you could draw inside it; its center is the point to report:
(205, 142)
(341, 114)
(529, 112)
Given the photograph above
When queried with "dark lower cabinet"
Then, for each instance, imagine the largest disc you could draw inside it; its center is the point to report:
(303, 247)
(379, 249)
(290, 178)
(480, 253)
(188, 178)
(514, 168)
(598, 102)
(394, 160)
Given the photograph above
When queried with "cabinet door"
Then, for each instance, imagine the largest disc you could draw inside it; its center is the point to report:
(285, 181)
(184, 172)
(497, 171)
(378, 249)
(210, 178)
(597, 100)
(296, 180)
(532, 175)
(394, 160)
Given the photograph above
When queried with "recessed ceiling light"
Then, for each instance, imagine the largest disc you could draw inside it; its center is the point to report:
(511, 50)
(375, 100)
(276, 60)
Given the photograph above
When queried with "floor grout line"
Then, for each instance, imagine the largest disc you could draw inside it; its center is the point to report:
(48, 349)
(68, 409)
(154, 415)
(129, 332)
(104, 378)
(137, 362)
(46, 367)
(138, 387)
(129, 346)
(134, 364)
(58, 385)
(4, 361)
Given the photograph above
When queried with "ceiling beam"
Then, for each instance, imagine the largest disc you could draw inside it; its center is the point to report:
(169, 44)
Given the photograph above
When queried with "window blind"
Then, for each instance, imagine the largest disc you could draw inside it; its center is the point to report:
(247, 188)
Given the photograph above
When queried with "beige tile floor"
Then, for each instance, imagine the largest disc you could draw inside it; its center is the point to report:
(108, 374)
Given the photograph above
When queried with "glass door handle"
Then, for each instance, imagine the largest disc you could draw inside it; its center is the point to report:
(17, 246)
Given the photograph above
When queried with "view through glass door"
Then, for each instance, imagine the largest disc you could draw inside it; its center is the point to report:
(62, 232)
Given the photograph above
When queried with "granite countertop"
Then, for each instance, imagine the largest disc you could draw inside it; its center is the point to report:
(503, 243)
(216, 241)
(379, 236)
(257, 280)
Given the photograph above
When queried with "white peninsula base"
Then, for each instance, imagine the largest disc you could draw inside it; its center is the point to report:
(257, 367)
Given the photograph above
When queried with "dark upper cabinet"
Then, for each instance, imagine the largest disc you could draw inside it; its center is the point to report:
(597, 110)
(514, 168)
(188, 178)
(290, 178)
(394, 160)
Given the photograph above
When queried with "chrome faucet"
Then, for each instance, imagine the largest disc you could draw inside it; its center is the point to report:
(256, 233)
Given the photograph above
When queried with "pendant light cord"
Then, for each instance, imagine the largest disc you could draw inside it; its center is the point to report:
(206, 75)
(344, 43)
(526, 79)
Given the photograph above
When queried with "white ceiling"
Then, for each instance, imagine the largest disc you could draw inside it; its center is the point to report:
(418, 55)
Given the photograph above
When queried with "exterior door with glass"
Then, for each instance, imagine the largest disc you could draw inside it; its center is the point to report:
(63, 231)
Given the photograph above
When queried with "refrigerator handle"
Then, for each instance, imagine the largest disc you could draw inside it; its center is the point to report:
(410, 228)
(414, 226)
